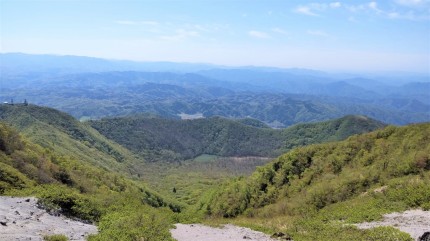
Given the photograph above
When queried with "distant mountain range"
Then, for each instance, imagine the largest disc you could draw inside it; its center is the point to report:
(91, 88)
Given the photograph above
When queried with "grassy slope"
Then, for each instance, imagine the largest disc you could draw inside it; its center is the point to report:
(193, 177)
(82, 190)
(312, 191)
(65, 135)
(168, 139)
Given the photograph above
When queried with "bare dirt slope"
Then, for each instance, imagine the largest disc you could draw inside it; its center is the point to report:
(198, 232)
(21, 219)
(413, 222)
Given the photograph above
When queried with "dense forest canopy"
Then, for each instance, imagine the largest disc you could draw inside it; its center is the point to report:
(169, 139)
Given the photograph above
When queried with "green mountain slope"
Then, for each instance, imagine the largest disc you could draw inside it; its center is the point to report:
(81, 190)
(169, 139)
(312, 192)
(65, 135)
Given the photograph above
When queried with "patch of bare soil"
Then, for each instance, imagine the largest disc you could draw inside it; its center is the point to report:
(413, 222)
(21, 219)
(198, 232)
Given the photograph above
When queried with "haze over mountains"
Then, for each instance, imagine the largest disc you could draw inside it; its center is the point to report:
(91, 88)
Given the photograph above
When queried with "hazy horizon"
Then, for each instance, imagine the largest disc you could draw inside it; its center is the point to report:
(331, 36)
(385, 73)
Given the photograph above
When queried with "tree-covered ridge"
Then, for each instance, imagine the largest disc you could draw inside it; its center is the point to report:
(170, 139)
(65, 135)
(316, 189)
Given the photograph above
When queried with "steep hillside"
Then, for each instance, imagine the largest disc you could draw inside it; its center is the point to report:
(81, 190)
(65, 135)
(312, 192)
(169, 139)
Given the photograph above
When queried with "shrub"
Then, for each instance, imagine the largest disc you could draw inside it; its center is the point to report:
(141, 223)
(55, 237)
(59, 199)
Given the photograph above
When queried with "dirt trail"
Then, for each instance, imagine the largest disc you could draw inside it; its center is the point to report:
(198, 232)
(413, 222)
(21, 219)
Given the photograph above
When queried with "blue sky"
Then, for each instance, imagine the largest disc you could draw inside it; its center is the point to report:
(355, 36)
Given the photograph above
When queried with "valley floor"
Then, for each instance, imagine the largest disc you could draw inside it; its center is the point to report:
(21, 219)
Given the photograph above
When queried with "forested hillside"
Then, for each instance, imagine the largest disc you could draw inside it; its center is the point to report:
(172, 140)
(312, 192)
(60, 132)
(78, 189)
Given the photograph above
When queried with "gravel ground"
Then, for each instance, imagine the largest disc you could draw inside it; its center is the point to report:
(198, 232)
(21, 219)
(413, 222)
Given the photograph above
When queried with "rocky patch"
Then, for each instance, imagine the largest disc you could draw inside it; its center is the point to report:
(22, 219)
(414, 222)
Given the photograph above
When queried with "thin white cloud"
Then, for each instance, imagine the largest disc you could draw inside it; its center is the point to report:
(407, 16)
(201, 28)
(258, 34)
(373, 7)
(180, 34)
(420, 8)
(313, 9)
(152, 23)
(410, 15)
(318, 6)
(412, 3)
(279, 30)
(131, 22)
(356, 8)
(305, 10)
(318, 33)
(125, 22)
(335, 5)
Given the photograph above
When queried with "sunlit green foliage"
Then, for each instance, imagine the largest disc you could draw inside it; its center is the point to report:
(134, 224)
(64, 135)
(312, 193)
(175, 140)
(80, 190)
(329, 184)
(193, 177)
